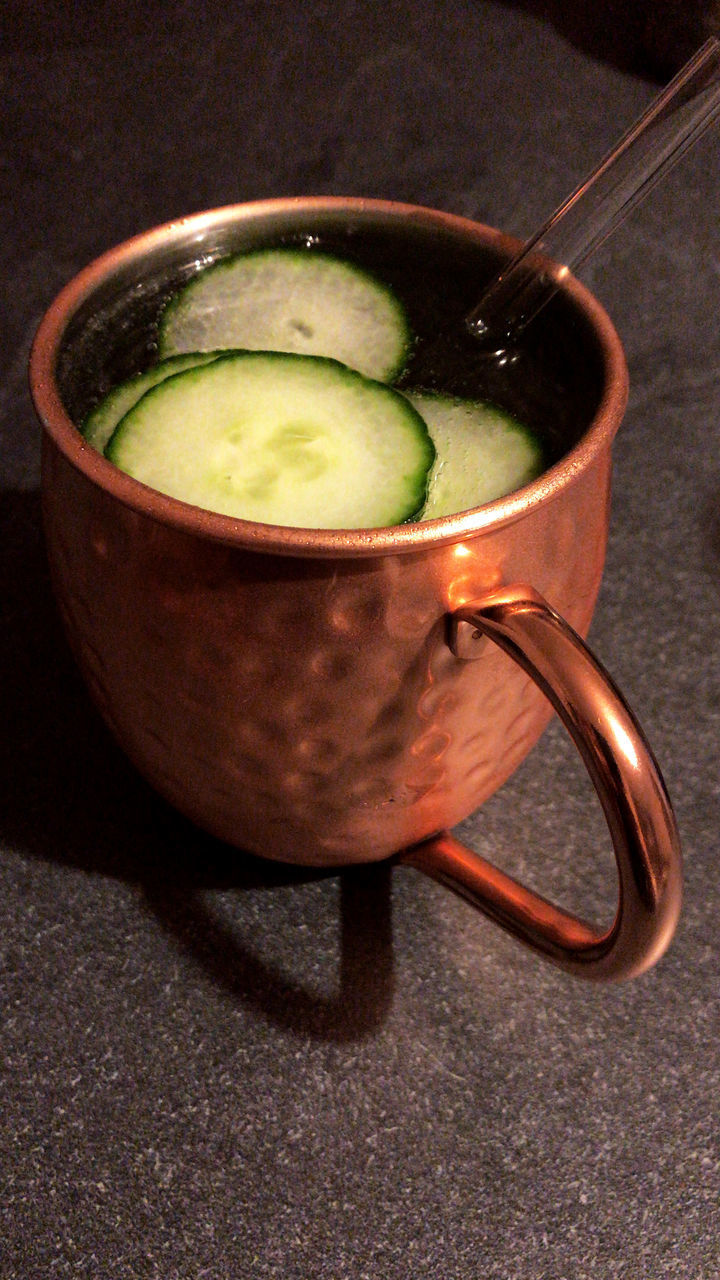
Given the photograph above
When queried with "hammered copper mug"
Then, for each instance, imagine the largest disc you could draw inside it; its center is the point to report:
(329, 697)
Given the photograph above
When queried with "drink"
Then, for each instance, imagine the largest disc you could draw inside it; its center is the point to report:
(436, 281)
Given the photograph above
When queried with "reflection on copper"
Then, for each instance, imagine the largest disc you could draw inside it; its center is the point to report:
(623, 740)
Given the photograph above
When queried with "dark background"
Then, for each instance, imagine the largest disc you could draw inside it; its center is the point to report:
(211, 1067)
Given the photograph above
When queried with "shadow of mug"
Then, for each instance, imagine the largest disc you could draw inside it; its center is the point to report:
(64, 782)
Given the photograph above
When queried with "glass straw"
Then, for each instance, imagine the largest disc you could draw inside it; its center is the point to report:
(657, 140)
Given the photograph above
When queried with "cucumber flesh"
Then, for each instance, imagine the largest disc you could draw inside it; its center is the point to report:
(103, 419)
(291, 300)
(482, 453)
(282, 439)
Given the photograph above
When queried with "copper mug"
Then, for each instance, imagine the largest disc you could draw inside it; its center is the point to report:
(329, 697)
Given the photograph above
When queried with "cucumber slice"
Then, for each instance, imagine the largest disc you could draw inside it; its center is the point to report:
(103, 419)
(482, 453)
(283, 439)
(292, 300)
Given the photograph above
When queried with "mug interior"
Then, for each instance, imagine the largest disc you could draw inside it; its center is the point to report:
(568, 379)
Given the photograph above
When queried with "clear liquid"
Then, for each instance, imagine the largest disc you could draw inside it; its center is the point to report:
(552, 383)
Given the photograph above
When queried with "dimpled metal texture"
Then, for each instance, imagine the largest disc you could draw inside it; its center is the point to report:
(307, 710)
(293, 692)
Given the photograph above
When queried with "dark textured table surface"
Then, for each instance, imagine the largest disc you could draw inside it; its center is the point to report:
(216, 1068)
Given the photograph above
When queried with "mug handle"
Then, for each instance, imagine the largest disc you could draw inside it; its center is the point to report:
(628, 782)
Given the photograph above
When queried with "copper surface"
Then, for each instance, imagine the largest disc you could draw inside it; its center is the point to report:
(625, 776)
(298, 692)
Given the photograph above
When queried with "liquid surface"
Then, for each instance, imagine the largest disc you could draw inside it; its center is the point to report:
(551, 385)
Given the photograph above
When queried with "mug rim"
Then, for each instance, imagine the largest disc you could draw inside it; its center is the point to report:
(286, 539)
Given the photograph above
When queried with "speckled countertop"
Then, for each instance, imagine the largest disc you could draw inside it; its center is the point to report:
(212, 1068)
